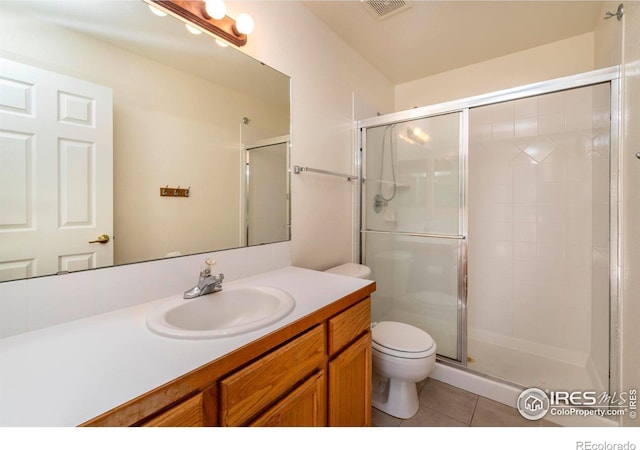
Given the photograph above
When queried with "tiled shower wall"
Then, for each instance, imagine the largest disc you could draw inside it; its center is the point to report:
(538, 225)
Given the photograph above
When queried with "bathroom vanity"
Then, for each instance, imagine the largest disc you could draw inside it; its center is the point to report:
(311, 368)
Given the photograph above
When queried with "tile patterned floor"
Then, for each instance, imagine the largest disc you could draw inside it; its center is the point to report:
(443, 405)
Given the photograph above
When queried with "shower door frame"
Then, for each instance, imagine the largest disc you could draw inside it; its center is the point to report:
(611, 75)
(461, 237)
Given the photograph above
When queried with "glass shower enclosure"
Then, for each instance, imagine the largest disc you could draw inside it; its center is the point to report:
(491, 223)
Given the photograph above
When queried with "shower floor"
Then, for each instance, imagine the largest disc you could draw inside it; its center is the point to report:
(527, 369)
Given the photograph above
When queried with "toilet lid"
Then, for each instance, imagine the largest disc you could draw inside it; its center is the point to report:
(401, 337)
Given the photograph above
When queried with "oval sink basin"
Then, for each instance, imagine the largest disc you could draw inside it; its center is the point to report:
(234, 310)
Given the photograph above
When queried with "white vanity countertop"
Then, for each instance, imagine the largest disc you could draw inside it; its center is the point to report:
(70, 373)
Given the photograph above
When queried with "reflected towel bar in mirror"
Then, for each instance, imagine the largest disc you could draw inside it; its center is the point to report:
(298, 169)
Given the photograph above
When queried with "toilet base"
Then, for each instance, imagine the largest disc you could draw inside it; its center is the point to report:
(396, 398)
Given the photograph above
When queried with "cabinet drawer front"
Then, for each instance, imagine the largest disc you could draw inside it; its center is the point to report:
(250, 390)
(348, 325)
(189, 413)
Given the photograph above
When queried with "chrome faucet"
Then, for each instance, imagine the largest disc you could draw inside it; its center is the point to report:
(207, 283)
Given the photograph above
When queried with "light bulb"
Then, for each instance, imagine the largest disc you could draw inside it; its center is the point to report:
(216, 9)
(244, 23)
(221, 43)
(417, 136)
(156, 11)
(192, 30)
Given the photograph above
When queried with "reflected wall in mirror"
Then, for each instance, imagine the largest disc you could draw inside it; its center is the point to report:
(134, 103)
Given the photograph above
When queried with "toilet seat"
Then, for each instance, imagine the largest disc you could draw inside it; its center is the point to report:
(402, 340)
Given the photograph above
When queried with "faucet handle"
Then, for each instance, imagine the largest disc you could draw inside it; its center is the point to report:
(207, 267)
(210, 262)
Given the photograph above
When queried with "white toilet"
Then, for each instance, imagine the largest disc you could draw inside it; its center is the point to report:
(402, 356)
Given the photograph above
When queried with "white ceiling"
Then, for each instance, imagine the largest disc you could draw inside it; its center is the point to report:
(435, 36)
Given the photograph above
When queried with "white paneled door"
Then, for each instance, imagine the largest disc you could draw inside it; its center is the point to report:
(56, 172)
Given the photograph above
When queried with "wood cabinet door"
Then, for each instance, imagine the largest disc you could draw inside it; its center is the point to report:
(305, 406)
(350, 385)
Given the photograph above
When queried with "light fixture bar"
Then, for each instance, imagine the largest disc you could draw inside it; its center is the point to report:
(193, 11)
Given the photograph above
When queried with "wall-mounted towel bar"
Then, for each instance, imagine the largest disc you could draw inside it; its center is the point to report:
(298, 169)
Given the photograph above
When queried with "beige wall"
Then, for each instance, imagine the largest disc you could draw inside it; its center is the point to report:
(607, 49)
(190, 141)
(630, 311)
(326, 74)
(561, 58)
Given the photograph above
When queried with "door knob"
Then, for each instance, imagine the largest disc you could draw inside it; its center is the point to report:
(102, 239)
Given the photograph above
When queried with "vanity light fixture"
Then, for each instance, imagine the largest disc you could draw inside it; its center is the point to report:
(208, 15)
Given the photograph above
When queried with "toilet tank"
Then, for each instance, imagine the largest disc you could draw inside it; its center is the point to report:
(351, 270)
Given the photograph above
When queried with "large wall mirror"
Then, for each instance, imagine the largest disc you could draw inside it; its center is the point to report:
(125, 138)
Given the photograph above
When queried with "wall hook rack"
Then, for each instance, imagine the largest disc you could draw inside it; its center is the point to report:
(174, 192)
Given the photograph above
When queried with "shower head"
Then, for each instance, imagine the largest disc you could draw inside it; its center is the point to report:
(618, 14)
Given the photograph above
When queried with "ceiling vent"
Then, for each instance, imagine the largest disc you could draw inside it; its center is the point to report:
(383, 9)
